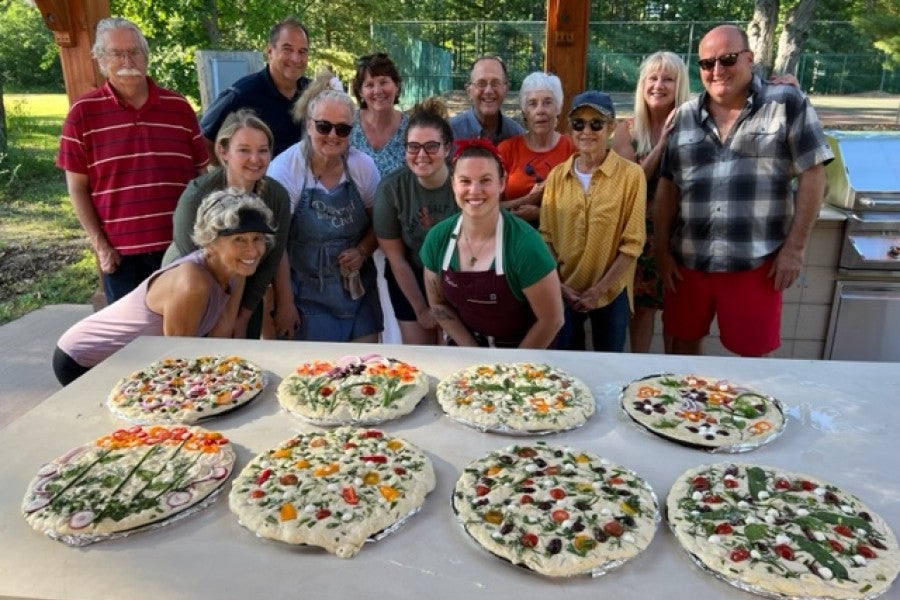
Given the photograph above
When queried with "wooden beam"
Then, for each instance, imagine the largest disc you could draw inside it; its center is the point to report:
(567, 42)
(73, 23)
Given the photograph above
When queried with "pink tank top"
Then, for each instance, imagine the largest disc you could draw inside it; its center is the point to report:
(96, 337)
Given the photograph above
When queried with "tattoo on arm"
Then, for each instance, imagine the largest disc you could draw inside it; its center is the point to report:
(442, 314)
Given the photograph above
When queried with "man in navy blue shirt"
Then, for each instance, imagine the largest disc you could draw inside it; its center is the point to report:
(271, 92)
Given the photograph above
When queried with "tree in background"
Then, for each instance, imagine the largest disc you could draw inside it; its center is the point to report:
(340, 31)
(796, 22)
(881, 21)
(29, 60)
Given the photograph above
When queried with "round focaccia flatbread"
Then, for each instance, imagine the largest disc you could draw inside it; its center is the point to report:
(186, 390)
(782, 534)
(334, 489)
(126, 480)
(704, 412)
(516, 398)
(555, 510)
(358, 390)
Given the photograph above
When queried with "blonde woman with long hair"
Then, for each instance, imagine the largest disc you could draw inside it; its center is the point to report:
(662, 86)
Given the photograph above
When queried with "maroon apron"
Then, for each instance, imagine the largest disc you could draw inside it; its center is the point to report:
(483, 300)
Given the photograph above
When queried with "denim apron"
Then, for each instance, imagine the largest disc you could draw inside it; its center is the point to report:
(324, 224)
(483, 300)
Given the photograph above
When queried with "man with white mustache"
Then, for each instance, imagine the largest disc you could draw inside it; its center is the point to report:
(128, 148)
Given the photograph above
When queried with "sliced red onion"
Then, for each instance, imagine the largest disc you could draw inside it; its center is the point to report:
(219, 473)
(81, 519)
(41, 486)
(65, 458)
(48, 470)
(347, 361)
(372, 358)
(178, 498)
(36, 503)
(237, 394)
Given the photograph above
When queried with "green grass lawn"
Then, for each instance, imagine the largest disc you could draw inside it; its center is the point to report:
(44, 255)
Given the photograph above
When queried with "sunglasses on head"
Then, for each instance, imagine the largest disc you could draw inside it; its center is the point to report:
(726, 60)
(430, 148)
(579, 124)
(341, 129)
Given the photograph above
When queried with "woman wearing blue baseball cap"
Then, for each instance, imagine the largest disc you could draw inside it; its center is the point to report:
(592, 218)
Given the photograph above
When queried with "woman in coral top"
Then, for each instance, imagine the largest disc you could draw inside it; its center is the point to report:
(530, 157)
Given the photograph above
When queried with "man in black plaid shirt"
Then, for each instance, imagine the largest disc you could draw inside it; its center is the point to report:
(731, 228)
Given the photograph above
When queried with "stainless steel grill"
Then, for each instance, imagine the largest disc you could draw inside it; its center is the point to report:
(864, 180)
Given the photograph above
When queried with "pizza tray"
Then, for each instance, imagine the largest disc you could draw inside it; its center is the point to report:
(504, 429)
(755, 589)
(86, 540)
(736, 448)
(176, 421)
(758, 589)
(596, 571)
(499, 423)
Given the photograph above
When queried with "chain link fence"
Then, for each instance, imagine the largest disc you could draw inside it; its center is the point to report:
(835, 60)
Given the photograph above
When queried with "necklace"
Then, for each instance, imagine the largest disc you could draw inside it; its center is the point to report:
(473, 258)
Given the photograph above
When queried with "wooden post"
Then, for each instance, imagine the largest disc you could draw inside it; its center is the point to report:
(567, 41)
(73, 23)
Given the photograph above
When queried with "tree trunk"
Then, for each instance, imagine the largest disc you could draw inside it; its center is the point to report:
(210, 22)
(3, 138)
(761, 32)
(797, 23)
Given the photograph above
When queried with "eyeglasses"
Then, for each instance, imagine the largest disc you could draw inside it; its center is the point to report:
(325, 127)
(579, 124)
(121, 55)
(430, 148)
(726, 60)
(481, 84)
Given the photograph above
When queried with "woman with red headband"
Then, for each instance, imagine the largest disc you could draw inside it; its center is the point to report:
(489, 276)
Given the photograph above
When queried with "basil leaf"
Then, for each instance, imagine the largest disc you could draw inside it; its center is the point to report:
(756, 532)
(821, 555)
(756, 481)
(837, 519)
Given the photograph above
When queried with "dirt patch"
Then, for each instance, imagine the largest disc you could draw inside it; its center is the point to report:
(21, 264)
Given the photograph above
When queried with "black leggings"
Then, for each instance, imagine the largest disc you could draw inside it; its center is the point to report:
(65, 368)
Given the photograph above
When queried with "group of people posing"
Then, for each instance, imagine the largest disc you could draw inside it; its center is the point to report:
(493, 234)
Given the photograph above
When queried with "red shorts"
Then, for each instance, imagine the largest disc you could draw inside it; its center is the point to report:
(745, 303)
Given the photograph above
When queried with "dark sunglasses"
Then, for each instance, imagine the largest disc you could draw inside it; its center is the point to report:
(430, 148)
(341, 129)
(579, 124)
(726, 60)
(529, 170)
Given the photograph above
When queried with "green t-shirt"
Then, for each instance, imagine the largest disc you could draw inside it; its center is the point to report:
(526, 257)
(398, 202)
